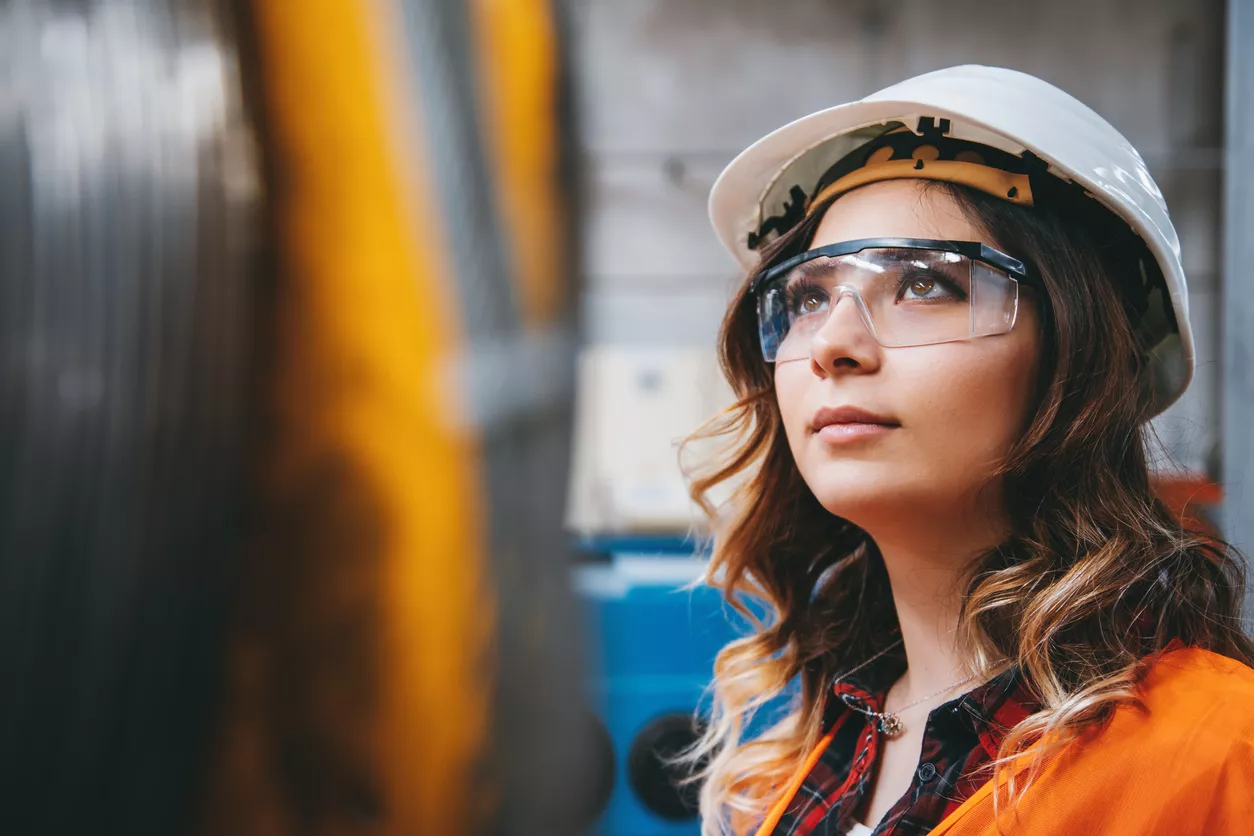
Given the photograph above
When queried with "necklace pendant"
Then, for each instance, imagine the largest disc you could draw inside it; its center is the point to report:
(891, 725)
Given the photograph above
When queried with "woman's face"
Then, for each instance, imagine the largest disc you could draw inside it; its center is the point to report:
(954, 409)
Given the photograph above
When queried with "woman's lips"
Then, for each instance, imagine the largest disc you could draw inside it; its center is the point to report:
(849, 423)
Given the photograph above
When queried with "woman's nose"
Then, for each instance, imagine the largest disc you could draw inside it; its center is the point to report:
(845, 342)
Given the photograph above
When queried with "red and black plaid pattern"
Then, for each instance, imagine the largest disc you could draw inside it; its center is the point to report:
(961, 737)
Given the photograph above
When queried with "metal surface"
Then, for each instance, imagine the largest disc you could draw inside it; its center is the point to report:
(1238, 305)
(127, 191)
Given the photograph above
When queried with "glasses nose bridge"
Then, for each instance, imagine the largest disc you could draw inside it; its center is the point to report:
(864, 310)
(836, 295)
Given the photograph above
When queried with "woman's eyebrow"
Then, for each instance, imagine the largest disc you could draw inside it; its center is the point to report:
(811, 268)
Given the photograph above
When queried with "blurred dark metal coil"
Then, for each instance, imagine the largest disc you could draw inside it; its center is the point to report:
(127, 192)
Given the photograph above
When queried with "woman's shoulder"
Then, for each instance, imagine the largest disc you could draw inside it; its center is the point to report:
(1180, 762)
(1181, 672)
(1192, 727)
(1199, 699)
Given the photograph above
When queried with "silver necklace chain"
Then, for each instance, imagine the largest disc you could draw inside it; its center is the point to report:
(889, 721)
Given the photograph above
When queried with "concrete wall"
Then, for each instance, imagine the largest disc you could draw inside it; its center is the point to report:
(671, 90)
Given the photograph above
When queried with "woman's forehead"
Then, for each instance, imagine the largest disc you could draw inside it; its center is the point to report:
(895, 209)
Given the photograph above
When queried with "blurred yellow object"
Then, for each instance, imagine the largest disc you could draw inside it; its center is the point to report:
(360, 687)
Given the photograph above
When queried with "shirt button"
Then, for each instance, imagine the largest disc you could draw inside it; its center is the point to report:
(927, 772)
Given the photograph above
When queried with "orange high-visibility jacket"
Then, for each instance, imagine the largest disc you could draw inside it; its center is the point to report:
(1183, 765)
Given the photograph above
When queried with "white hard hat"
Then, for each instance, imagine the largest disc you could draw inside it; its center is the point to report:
(995, 107)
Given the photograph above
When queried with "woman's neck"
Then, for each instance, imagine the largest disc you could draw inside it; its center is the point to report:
(926, 570)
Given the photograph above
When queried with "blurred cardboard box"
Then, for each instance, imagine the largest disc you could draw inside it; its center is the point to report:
(633, 408)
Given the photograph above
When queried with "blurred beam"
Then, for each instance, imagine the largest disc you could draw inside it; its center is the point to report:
(1238, 304)
(362, 668)
(490, 75)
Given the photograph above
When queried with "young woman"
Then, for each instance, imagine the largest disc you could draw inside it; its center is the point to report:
(965, 300)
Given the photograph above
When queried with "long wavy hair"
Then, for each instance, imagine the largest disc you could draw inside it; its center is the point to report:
(1096, 576)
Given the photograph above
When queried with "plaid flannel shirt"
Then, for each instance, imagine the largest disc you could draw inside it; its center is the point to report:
(961, 737)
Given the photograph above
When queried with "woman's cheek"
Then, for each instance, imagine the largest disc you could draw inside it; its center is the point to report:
(790, 390)
(981, 409)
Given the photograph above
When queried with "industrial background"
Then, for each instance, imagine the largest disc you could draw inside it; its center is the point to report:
(346, 348)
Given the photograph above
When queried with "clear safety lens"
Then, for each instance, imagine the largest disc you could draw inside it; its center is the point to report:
(903, 296)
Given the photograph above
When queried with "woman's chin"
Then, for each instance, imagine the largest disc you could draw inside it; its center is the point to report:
(867, 500)
(858, 504)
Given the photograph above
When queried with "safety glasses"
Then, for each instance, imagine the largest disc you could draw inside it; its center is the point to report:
(908, 292)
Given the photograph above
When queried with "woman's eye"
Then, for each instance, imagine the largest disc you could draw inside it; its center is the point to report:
(811, 303)
(922, 286)
(806, 298)
(926, 287)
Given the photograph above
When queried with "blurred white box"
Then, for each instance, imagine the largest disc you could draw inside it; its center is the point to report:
(633, 407)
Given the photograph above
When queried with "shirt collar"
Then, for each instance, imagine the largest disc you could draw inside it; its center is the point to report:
(989, 710)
